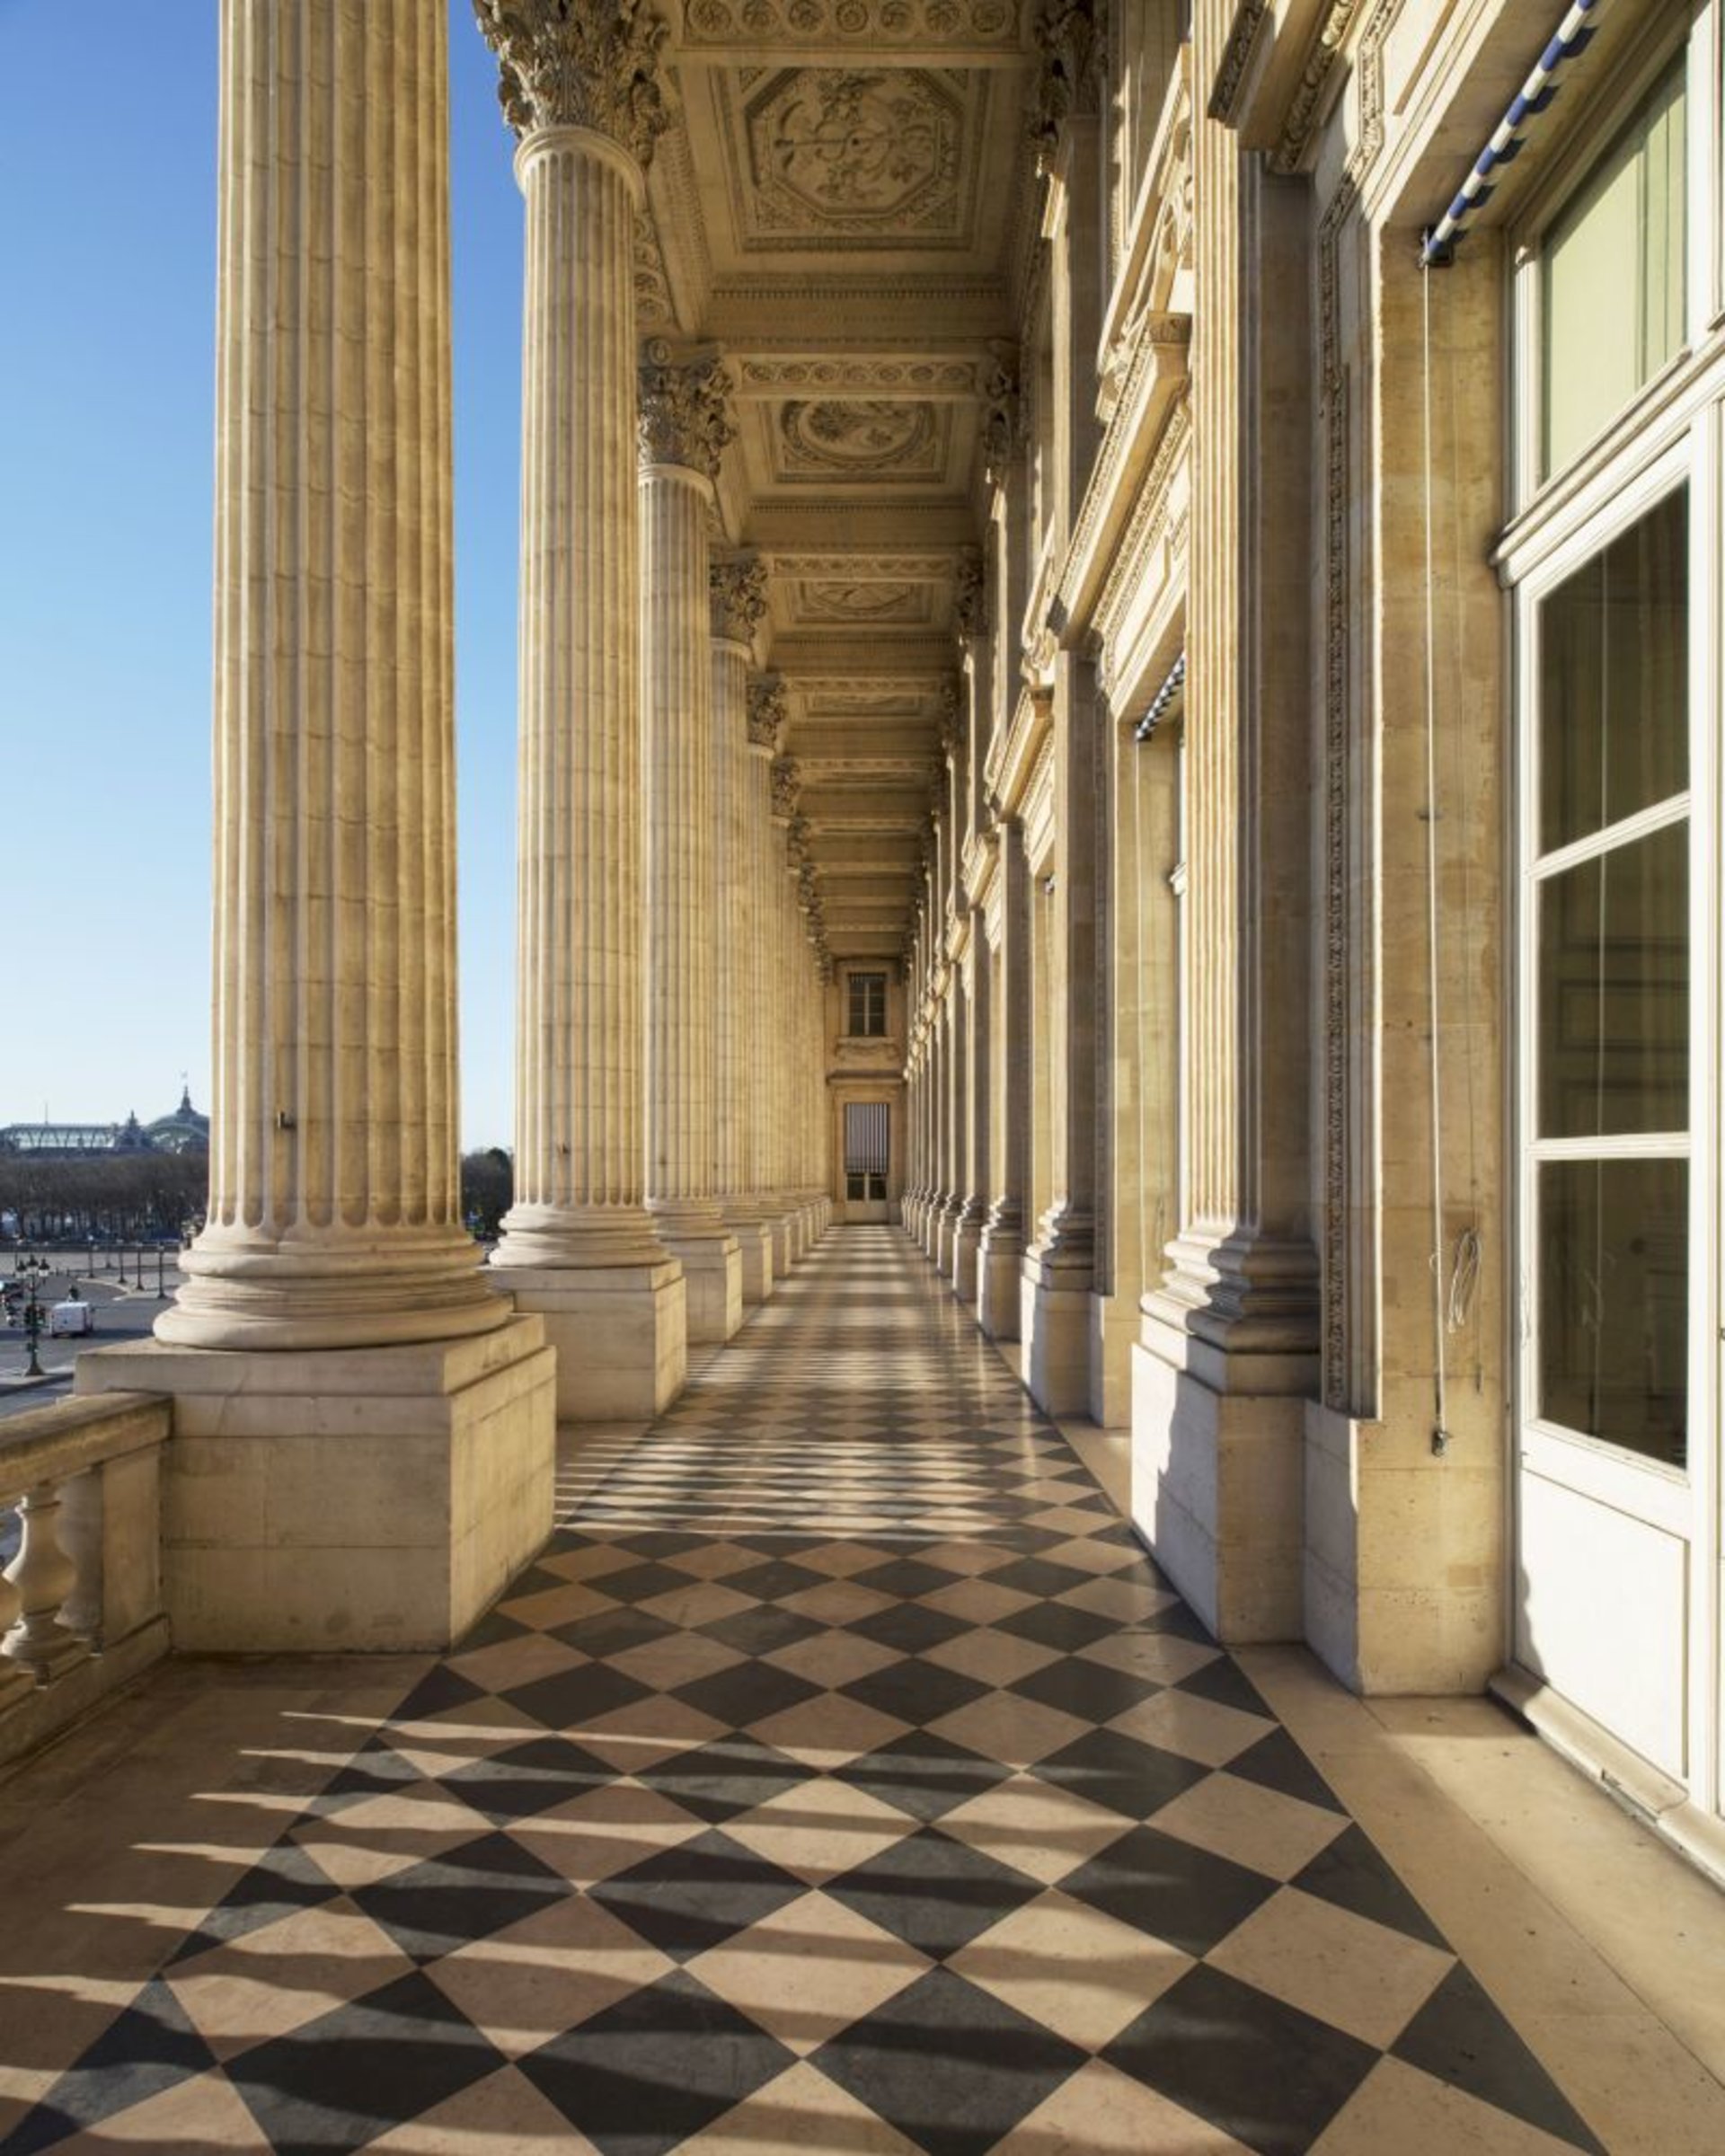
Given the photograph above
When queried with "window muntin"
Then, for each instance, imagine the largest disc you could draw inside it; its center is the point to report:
(1611, 991)
(867, 1016)
(1613, 282)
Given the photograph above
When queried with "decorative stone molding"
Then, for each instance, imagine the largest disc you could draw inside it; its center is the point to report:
(1310, 98)
(654, 308)
(992, 24)
(970, 598)
(579, 64)
(684, 408)
(769, 712)
(1066, 34)
(787, 789)
(737, 588)
(859, 375)
(1250, 19)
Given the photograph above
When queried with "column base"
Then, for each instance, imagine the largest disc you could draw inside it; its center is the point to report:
(621, 1333)
(1054, 1323)
(713, 1278)
(373, 1499)
(1000, 1264)
(1114, 1325)
(784, 1243)
(1218, 1468)
(967, 1245)
(755, 1250)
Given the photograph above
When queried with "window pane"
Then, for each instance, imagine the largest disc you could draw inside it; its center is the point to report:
(1612, 279)
(1613, 657)
(1613, 991)
(868, 1004)
(1614, 1335)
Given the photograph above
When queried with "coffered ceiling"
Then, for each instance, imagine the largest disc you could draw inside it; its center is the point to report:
(846, 204)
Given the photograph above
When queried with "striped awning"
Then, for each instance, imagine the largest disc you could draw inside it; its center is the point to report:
(1573, 35)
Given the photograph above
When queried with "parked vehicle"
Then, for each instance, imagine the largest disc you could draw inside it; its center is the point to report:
(70, 1319)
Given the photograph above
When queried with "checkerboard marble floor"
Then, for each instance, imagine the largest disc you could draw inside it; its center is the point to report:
(843, 1778)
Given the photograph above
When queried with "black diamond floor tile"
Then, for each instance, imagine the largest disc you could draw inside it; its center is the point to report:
(1090, 1690)
(569, 1698)
(953, 2068)
(1187, 1896)
(1110, 1768)
(1258, 2068)
(718, 1781)
(915, 1690)
(924, 1775)
(698, 1894)
(1461, 2037)
(934, 1891)
(655, 2068)
(142, 2051)
(449, 1901)
(349, 2076)
(526, 1778)
(748, 1691)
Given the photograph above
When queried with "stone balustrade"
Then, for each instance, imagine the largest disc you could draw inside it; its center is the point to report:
(81, 1606)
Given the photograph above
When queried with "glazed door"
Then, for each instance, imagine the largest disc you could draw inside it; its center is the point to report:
(868, 1159)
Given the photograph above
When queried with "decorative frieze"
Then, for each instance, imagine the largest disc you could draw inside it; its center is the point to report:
(737, 588)
(684, 417)
(579, 64)
(862, 24)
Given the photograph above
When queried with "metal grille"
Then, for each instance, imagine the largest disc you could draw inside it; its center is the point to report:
(865, 1138)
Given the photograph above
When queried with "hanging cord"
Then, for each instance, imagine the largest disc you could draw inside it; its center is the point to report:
(1440, 1314)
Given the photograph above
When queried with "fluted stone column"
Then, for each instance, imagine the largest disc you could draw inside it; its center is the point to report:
(786, 790)
(999, 1256)
(738, 589)
(972, 749)
(768, 713)
(684, 430)
(391, 1461)
(579, 89)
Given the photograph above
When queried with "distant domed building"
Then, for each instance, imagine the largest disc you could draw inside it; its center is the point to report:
(184, 1131)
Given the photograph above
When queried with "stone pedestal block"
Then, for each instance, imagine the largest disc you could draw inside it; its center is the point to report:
(1216, 1483)
(369, 1498)
(1114, 1327)
(1000, 1264)
(754, 1256)
(1054, 1323)
(621, 1350)
(712, 1274)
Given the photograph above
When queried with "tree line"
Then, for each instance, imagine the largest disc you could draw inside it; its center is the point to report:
(138, 1197)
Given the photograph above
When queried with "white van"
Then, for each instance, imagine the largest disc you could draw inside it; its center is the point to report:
(71, 1318)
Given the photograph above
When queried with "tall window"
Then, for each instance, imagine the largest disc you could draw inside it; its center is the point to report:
(1611, 283)
(868, 1016)
(867, 1150)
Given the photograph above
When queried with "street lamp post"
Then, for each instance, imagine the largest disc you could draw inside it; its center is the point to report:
(33, 1271)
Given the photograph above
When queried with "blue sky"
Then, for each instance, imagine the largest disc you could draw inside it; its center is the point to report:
(106, 328)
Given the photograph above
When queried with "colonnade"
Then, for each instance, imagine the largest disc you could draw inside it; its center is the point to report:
(364, 1411)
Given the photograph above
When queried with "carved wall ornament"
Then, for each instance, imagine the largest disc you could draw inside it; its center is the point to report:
(862, 437)
(864, 601)
(787, 789)
(952, 716)
(684, 408)
(769, 709)
(653, 306)
(838, 156)
(579, 64)
(970, 598)
(737, 588)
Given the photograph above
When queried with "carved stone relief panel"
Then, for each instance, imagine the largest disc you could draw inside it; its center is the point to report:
(992, 24)
(861, 440)
(846, 158)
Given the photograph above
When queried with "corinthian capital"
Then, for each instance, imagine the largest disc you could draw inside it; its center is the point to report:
(970, 598)
(579, 64)
(738, 589)
(684, 408)
(1068, 34)
(787, 789)
(769, 708)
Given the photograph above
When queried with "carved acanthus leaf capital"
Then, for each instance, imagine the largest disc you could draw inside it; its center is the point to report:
(970, 598)
(952, 718)
(739, 591)
(684, 408)
(1068, 43)
(579, 64)
(787, 789)
(769, 709)
(1000, 420)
